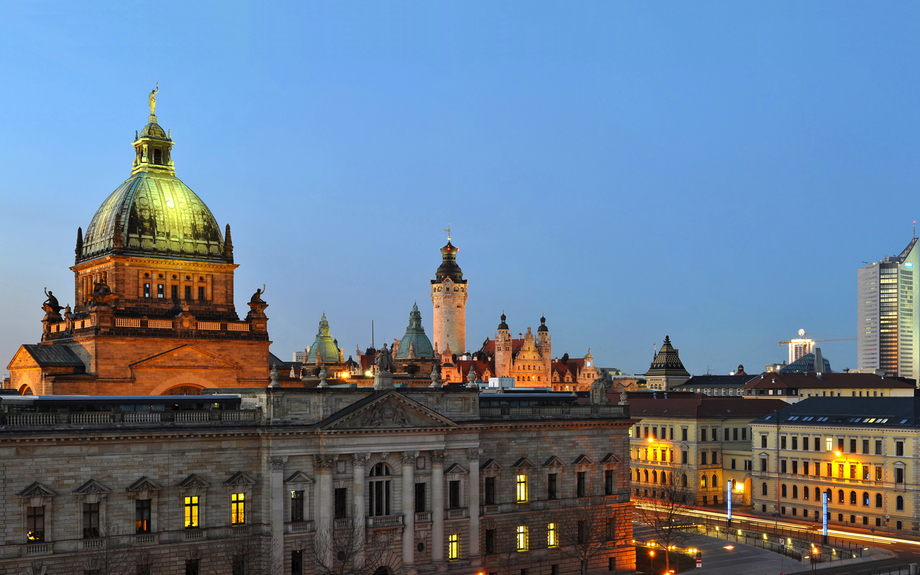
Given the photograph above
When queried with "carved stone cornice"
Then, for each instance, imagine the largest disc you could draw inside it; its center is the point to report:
(323, 461)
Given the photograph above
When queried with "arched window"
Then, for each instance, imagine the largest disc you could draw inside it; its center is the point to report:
(645, 471)
(638, 475)
(715, 481)
(818, 495)
(865, 499)
(654, 477)
(795, 491)
(782, 490)
(852, 498)
(840, 496)
(703, 482)
(878, 499)
(763, 489)
(805, 494)
(379, 490)
(683, 480)
(664, 478)
(899, 503)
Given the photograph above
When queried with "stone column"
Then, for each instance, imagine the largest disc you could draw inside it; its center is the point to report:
(408, 510)
(359, 468)
(276, 501)
(437, 510)
(323, 465)
(473, 457)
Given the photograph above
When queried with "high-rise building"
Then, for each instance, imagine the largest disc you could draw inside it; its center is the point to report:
(888, 316)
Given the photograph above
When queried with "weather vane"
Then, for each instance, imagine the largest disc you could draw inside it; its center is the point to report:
(448, 230)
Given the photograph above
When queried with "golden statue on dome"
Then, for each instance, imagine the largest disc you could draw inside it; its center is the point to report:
(153, 99)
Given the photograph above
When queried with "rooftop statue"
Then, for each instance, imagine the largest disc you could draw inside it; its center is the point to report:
(257, 297)
(598, 393)
(102, 295)
(384, 360)
(51, 305)
(152, 98)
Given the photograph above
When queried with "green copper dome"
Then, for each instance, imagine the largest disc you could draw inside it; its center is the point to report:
(323, 344)
(415, 338)
(154, 212)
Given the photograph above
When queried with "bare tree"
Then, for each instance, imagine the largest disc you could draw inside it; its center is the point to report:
(667, 513)
(110, 555)
(586, 531)
(244, 556)
(350, 555)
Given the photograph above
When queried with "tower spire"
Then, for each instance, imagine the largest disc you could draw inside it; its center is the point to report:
(448, 230)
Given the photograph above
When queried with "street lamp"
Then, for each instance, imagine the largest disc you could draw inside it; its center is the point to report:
(651, 554)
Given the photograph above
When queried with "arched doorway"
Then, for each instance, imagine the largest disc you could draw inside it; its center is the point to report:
(25, 390)
(382, 571)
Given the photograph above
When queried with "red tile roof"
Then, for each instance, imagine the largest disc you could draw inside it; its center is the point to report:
(700, 405)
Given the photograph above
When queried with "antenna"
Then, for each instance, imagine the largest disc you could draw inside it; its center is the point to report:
(372, 334)
(448, 230)
(915, 229)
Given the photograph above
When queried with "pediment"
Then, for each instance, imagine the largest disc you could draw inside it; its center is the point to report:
(553, 462)
(523, 463)
(184, 357)
(387, 410)
(22, 360)
(299, 477)
(455, 469)
(611, 458)
(193, 481)
(240, 478)
(144, 484)
(91, 486)
(491, 465)
(583, 460)
(36, 490)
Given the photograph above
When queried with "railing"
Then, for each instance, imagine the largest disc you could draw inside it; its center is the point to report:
(385, 521)
(555, 411)
(241, 531)
(93, 543)
(423, 517)
(106, 418)
(456, 513)
(237, 327)
(209, 325)
(300, 527)
(127, 322)
(38, 548)
(341, 524)
(160, 323)
(146, 539)
(194, 534)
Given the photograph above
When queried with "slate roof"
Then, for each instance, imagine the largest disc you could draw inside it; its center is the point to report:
(53, 355)
(827, 381)
(713, 381)
(701, 406)
(871, 412)
(667, 361)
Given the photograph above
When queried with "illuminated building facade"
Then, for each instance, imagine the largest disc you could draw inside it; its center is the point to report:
(862, 452)
(448, 298)
(888, 314)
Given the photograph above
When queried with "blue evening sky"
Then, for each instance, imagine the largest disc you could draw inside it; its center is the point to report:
(711, 171)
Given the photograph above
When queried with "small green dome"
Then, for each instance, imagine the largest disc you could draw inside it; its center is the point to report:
(324, 344)
(416, 338)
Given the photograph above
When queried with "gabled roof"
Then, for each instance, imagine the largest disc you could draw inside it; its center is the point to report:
(667, 362)
(455, 468)
(299, 477)
(713, 381)
(699, 406)
(583, 460)
(240, 478)
(36, 489)
(553, 462)
(523, 463)
(53, 355)
(491, 465)
(836, 380)
(144, 484)
(193, 480)
(91, 486)
(611, 458)
(387, 409)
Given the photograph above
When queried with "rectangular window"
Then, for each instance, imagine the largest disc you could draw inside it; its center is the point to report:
(146, 290)
(490, 541)
(839, 444)
(453, 546)
(703, 457)
(684, 456)
(580, 484)
(654, 432)
(899, 475)
(201, 293)
(296, 562)
(744, 434)
(188, 292)
(715, 434)
(453, 488)
(552, 536)
(899, 448)
(35, 524)
(865, 446)
(419, 497)
(611, 529)
(645, 431)
(161, 291)
(763, 440)
(878, 473)
(852, 445)
(795, 443)
(523, 538)
(782, 466)
(734, 434)
(817, 444)
(296, 506)
(795, 467)
(551, 486)
(878, 446)
(715, 457)
(237, 508)
(554, 569)
(142, 516)
(733, 464)
(191, 512)
(829, 470)
(521, 488)
(805, 467)
(763, 463)
(238, 565)
(175, 292)
(782, 442)
(341, 502)
(703, 434)
(683, 434)
(490, 491)
(608, 482)
(192, 567)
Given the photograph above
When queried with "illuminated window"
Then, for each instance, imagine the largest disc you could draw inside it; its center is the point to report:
(828, 444)
(552, 536)
(521, 488)
(237, 508)
(35, 523)
(453, 546)
(142, 516)
(296, 506)
(523, 539)
(191, 512)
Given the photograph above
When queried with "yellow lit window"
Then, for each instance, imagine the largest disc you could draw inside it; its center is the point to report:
(828, 444)
(191, 512)
(552, 537)
(523, 540)
(521, 488)
(453, 546)
(238, 508)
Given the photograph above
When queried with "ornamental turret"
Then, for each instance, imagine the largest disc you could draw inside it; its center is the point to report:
(448, 298)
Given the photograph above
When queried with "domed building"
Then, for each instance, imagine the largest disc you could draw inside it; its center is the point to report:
(153, 308)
